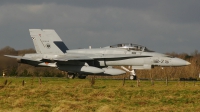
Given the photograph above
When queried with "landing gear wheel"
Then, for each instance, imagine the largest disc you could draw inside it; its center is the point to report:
(71, 76)
(82, 77)
(133, 77)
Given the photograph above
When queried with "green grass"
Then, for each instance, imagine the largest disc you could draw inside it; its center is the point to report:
(65, 95)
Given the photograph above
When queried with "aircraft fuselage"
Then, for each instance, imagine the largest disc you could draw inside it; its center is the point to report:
(154, 59)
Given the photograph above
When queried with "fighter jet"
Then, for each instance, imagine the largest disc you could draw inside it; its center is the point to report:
(51, 51)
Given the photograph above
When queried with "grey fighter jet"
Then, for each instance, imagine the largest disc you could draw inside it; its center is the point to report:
(52, 52)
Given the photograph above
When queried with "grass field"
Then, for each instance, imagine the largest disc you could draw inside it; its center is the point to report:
(65, 95)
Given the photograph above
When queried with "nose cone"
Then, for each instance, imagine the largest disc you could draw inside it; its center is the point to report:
(179, 62)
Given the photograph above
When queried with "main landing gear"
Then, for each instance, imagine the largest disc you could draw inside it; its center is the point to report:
(73, 75)
(70, 75)
(131, 71)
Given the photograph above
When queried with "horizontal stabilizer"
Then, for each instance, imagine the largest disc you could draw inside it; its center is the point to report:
(21, 57)
(11, 56)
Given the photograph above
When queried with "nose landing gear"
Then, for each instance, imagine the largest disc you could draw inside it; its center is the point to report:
(131, 71)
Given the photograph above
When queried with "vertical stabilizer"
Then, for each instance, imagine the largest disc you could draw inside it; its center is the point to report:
(47, 41)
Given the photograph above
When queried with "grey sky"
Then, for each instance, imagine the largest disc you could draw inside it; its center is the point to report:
(163, 26)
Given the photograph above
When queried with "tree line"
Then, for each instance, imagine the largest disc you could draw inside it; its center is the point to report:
(11, 68)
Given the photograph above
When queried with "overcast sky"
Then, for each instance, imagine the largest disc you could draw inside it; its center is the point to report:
(160, 25)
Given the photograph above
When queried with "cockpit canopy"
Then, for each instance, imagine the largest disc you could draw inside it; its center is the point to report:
(130, 46)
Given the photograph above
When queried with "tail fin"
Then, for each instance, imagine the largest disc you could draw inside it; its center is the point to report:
(47, 41)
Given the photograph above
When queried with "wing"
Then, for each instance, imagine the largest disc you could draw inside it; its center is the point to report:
(86, 57)
(108, 56)
(76, 58)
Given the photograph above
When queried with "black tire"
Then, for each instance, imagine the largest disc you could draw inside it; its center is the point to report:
(82, 77)
(135, 77)
(71, 76)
